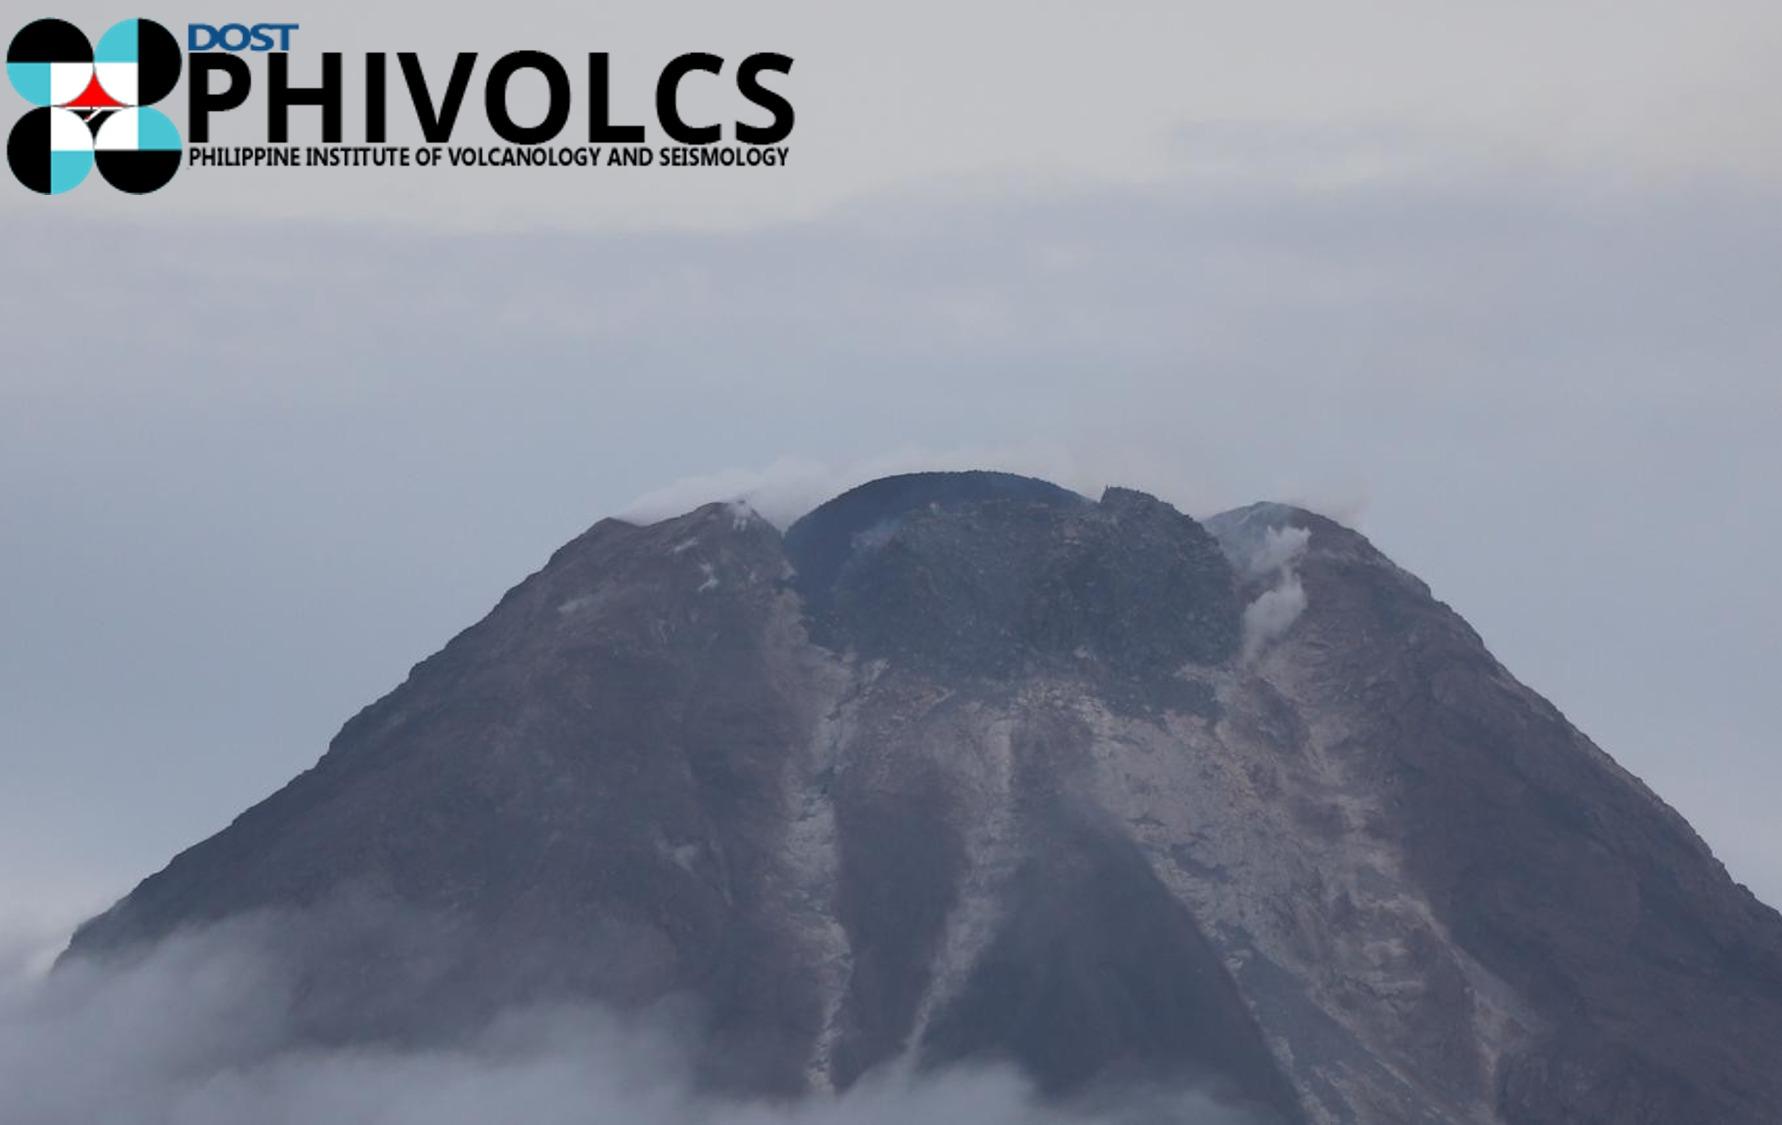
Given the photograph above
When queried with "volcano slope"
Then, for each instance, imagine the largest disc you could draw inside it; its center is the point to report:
(968, 767)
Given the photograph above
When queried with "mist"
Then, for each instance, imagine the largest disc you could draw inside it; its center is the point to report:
(198, 1030)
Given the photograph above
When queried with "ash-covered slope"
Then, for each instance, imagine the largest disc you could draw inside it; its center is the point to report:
(967, 766)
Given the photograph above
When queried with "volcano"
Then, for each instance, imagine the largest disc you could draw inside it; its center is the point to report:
(969, 767)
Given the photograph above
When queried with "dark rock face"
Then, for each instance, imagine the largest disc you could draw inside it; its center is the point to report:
(581, 795)
(977, 577)
(827, 539)
(969, 766)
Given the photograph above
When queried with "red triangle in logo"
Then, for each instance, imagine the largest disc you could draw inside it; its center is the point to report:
(94, 97)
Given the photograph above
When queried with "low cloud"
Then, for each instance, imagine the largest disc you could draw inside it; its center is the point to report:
(787, 488)
(196, 1032)
(780, 491)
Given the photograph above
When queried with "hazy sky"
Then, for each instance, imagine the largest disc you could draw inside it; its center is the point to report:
(1497, 283)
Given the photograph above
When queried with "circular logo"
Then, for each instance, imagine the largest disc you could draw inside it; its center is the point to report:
(91, 106)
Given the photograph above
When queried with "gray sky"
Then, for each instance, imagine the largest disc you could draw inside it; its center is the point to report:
(1497, 285)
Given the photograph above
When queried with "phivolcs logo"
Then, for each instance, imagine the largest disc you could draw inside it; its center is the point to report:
(92, 106)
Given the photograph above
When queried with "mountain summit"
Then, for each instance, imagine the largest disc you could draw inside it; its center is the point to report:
(966, 766)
